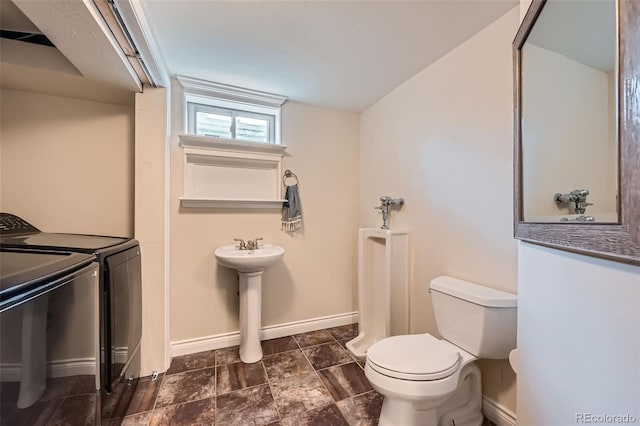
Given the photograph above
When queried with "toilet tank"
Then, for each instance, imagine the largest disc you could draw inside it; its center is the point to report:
(478, 319)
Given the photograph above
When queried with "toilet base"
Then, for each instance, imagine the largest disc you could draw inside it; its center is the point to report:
(463, 407)
(401, 412)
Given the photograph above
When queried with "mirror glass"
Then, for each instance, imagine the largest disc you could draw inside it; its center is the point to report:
(569, 114)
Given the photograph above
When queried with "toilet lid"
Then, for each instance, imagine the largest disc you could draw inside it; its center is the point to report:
(419, 357)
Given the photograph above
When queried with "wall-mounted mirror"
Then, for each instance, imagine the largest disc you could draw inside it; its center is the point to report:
(577, 127)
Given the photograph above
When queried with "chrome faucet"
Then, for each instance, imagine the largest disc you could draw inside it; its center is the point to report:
(242, 245)
(253, 244)
(386, 203)
(249, 245)
(578, 196)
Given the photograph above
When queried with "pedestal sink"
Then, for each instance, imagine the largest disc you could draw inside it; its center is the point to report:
(250, 265)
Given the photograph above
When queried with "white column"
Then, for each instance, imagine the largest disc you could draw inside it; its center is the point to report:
(250, 316)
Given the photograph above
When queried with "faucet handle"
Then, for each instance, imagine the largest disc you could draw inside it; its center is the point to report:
(242, 244)
(253, 244)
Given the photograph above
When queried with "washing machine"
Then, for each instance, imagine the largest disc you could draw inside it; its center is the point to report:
(120, 290)
(49, 338)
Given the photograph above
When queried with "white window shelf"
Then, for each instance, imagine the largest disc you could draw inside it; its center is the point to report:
(224, 173)
(231, 203)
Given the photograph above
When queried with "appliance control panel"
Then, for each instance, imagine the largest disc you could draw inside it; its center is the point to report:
(13, 225)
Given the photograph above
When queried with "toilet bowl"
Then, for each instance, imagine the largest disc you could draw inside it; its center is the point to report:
(417, 387)
(427, 381)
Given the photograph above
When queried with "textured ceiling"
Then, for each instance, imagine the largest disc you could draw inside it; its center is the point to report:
(339, 54)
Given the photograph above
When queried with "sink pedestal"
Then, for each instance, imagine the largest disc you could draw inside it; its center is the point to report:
(250, 316)
(250, 264)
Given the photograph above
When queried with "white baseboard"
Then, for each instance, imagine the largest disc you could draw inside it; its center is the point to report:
(217, 341)
(12, 372)
(498, 413)
(121, 355)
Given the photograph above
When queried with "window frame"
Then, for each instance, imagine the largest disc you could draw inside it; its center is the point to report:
(244, 102)
(195, 107)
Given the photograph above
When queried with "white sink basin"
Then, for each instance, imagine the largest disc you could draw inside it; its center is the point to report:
(249, 260)
(250, 265)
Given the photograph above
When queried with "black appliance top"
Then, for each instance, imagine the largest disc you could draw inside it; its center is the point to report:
(71, 242)
(23, 270)
(18, 233)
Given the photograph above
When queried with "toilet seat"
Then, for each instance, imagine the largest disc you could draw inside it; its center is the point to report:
(416, 357)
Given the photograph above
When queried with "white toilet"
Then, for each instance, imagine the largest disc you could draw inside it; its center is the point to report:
(427, 381)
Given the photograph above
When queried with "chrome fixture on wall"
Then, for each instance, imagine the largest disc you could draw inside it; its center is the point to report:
(578, 196)
(249, 245)
(579, 219)
(386, 203)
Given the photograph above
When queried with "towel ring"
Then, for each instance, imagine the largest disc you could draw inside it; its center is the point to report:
(289, 174)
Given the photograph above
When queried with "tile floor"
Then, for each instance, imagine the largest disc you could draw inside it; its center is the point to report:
(307, 379)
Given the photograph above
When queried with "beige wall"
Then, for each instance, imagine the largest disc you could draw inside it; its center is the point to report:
(67, 164)
(317, 276)
(560, 153)
(443, 141)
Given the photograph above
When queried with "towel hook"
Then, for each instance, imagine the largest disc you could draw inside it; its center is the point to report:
(289, 174)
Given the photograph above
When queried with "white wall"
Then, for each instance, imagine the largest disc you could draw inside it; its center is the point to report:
(317, 275)
(578, 335)
(560, 152)
(443, 141)
(152, 223)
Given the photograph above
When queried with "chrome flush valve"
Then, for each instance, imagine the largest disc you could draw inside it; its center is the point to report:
(386, 203)
(578, 196)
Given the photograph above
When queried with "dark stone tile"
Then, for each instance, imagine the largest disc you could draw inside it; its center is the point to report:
(9, 392)
(84, 384)
(127, 399)
(228, 355)
(324, 416)
(196, 361)
(76, 410)
(36, 415)
(6, 410)
(362, 410)
(344, 332)
(253, 406)
(200, 412)
(231, 377)
(140, 419)
(115, 404)
(58, 387)
(327, 355)
(487, 422)
(145, 394)
(286, 365)
(313, 338)
(345, 380)
(189, 386)
(275, 346)
(298, 394)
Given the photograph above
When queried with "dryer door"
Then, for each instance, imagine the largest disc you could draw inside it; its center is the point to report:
(123, 315)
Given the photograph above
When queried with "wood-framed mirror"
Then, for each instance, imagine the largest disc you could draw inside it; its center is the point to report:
(555, 126)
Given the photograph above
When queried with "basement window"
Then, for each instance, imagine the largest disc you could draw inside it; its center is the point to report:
(232, 150)
(231, 113)
(229, 123)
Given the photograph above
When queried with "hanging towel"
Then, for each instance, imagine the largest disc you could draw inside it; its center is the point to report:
(291, 209)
